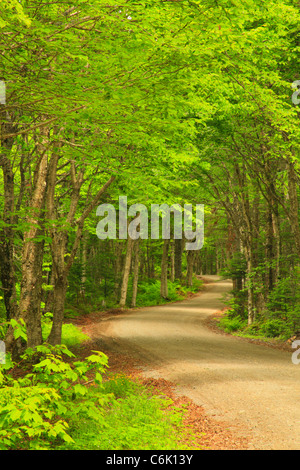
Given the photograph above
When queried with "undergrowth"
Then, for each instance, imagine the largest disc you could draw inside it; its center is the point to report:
(148, 295)
(51, 400)
(134, 420)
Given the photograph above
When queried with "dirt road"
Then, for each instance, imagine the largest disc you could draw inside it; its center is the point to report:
(253, 388)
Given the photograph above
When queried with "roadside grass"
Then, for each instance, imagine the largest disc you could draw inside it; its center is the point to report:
(134, 420)
(71, 334)
(263, 330)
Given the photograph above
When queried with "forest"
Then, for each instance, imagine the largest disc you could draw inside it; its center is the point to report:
(162, 102)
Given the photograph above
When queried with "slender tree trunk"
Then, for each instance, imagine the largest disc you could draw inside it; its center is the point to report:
(269, 253)
(172, 261)
(59, 295)
(277, 248)
(142, 264)
(83, 250)
(150, 262)
(126, 273)
(249, 281)
(164, 270)
(8, 276)
(190, 268)
(217, 261)
(199, 263)
(31, 292)
(49, 296)
(148, 257)
(118, 267)
(178, 259)
(135, 272)
(246, 233)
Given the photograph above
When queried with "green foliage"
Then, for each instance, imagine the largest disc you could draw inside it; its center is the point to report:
(283, 306)
(37, 407)
(12, 11)
(232, 324)
(71, 335)
(19, 328)
(280, 318)
(29, 418)
(188, 99)
(236, 267)
(63, 403)
(149, 293)
(273, 328)
(236, 304)
(120, 385)
(135, 420)
(197, 284)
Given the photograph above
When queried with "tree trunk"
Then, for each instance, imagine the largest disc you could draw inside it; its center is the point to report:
(8, 277)
(269, 279)
(7, 265)
(32, 257)
(150, 262)
(59, 295)
(31, 291)
(164, 270)
(172, 259)
(135, 272)
(126, 272)
(249, 282)
(83, 250)
(178, 259)
(118, 267)
(277, 248)
(59, 246)
(49, 296)
(190, 268)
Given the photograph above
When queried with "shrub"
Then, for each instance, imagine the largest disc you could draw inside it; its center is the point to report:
(28, 418)
(232, 324)
(272, 328)
(149, 293)
(135, 420)
(62, 403)
(283, 306)
(36, 409)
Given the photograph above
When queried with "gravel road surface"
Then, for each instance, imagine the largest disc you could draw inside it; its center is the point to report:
(253, 388)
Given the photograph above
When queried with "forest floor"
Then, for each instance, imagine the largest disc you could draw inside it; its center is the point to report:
(241, 394)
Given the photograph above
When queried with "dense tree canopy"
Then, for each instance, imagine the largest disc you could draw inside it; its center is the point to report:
(164, 102)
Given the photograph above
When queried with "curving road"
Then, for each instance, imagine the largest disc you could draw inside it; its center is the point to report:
(254, 389)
